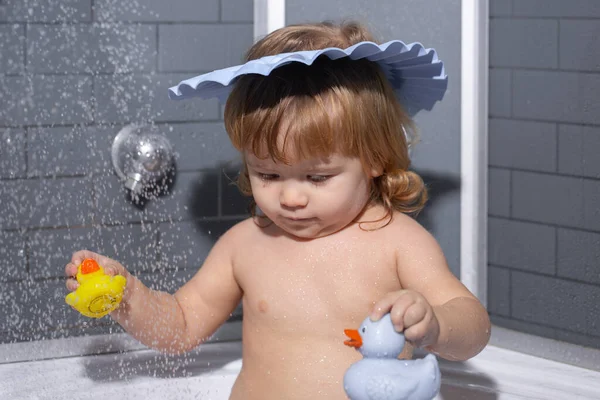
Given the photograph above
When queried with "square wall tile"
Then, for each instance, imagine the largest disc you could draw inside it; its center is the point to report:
(12, 153)
(13, 256)
(578, 255)
(522, 245)
(546, 198)
(499, 192)
(523, 145)
(68, 151)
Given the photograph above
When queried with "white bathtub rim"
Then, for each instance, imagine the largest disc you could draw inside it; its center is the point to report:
(519, 342)
(551, 349)
(92, 344)
(513, 373)
(507, 373)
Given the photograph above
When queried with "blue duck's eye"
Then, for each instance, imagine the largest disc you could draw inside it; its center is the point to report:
(364, 329)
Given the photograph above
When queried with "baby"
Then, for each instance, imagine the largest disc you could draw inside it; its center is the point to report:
(333, 239)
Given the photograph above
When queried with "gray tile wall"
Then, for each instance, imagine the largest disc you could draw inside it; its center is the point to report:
(544, 176)
(72, 73)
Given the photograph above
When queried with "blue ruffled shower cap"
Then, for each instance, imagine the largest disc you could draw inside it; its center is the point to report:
(416, 73)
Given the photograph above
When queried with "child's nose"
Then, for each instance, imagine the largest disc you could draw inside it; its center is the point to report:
(292, 196)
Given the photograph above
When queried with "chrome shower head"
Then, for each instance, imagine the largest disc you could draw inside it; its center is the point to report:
(141, 156)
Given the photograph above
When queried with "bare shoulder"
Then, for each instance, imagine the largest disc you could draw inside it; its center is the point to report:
(241, 235)
(421, 263)
(411, 234)
(242, 230)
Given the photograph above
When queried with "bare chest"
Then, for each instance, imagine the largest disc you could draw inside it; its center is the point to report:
(334, 280)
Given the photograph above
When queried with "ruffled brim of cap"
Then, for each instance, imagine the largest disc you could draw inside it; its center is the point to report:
(416, 73)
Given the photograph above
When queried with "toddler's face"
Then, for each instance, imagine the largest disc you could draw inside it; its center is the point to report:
(309, 198)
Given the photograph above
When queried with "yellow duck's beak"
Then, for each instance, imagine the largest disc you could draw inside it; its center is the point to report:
(355, 339)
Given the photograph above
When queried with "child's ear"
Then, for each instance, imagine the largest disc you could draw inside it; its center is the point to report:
(376, 172)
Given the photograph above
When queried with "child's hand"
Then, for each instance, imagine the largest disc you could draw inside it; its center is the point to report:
(111, 267)
(412, 314)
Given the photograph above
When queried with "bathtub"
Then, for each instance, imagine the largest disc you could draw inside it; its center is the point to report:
(208, 373)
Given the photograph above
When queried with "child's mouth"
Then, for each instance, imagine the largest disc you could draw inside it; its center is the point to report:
(296, 219)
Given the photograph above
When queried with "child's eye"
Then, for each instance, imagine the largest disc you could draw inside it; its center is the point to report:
(268, 177)
(318, 178)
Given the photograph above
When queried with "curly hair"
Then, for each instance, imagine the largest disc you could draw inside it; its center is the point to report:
(345, 106)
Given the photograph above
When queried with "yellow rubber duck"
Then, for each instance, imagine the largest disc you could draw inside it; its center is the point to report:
(98, 294)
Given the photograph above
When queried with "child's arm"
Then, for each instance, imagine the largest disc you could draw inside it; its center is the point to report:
(174, 323)
(434, 309)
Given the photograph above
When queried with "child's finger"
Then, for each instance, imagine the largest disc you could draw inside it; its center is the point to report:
(414, 314)
(398, 312)
(70, 269)
(383, 306)
(72, 284)
(78, 257)
(416, 333)
(113, 270)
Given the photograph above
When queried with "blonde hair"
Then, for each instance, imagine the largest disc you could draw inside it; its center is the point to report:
(345, 106)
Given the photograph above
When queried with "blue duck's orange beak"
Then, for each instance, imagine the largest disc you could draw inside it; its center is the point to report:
(355, 339)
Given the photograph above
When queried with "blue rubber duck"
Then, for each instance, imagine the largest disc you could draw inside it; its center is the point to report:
(380, 375)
